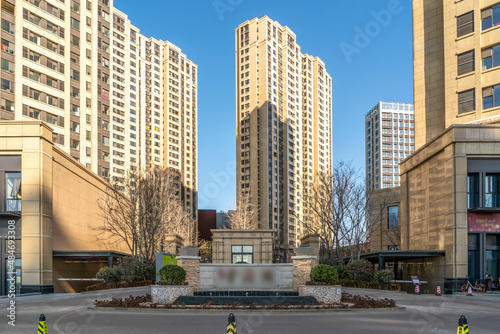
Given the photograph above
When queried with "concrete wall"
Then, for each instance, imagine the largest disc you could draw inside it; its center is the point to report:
(381, 236)
(246, 277)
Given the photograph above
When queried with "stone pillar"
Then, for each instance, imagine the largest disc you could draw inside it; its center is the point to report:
(191, 264)
(302, 266)
(312, 240)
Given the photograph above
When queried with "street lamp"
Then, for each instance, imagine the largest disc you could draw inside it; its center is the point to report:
(161, 245)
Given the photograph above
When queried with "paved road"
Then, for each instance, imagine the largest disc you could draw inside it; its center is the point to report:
(424, 314)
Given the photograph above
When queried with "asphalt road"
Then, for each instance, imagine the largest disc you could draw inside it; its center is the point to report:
(425, 314)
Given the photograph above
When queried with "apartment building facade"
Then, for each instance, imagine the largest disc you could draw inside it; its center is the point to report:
(450, 185)
(283, 124)
(83, 68)
(390, 138)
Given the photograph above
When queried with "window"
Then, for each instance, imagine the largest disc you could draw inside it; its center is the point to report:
(393, 248)
(35, 19)
(75, 110)
(75, 41)
(35, 94)
(8, 26)
(7, 66)
(491, 97)
(473, 190)
(75, 92)
(75, 24)
(465, 24)
(242, 254)
(75, 75)
(35, 57)
(34, 76)
(392, 217)
(7, 85)
(492, 190)
(7, 105)
(75, 127)
(466, 101)
(491, 57)
(7, 46)
(75, 144)
(490, 17)
(75, 7)
(105, 16)
(13, 191)
(465, 62)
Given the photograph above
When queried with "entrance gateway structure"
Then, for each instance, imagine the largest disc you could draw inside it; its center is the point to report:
(241, 279)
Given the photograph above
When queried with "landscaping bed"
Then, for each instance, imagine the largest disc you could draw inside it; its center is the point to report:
(116, 285)
(347, 302)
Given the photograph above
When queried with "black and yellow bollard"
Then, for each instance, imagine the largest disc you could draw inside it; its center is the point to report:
(463, 327)
(231, 324)
(42, 325)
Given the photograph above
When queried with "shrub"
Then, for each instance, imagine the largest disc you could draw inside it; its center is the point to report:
(340, 270)
(383, 276)
(109, 275)
(361, 270)
(135, 270)
(324, 273)
(172, 274)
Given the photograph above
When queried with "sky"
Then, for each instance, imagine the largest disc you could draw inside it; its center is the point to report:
(365, 44)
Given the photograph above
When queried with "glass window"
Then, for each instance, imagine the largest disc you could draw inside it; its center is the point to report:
(242, 254)
(465, 24)
(7, 105)
(491, 97)
(473, 190)
(7, 66)
(392, 217)
(8, 26)
(492, 191)
(13, 194)
(75, 24)
(490, 17)
(465, 62)
(490, 57)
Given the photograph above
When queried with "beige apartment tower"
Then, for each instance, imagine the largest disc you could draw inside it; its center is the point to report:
(115, 98)
(283, 124)
(456, 59)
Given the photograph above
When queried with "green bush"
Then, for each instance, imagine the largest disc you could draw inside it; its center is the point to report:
(361, 270)
(172, 274)
(346, 283)
(109, 275)
(324, 273)
(135, 270)
(384, 276)
(340, 270)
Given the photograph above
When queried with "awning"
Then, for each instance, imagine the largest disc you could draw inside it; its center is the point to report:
(395, 256)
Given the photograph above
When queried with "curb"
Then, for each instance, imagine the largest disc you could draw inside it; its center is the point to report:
(247, 311)
(375, 290)
(25, 295)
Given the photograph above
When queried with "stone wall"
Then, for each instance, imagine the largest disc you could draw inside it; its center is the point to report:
(167, 294)
(302, 266)
(191, 264)
(325, 294)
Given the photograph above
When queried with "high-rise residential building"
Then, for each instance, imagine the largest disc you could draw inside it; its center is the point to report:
(459, 42)
(180, 121)
(283, 124)
(82, 67)
(390, 138)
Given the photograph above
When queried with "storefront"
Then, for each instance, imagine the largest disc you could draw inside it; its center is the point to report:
(484, 245)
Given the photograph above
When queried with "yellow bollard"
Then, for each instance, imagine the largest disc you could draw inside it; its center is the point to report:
(463, 327)
(42, 325)
(231, 324)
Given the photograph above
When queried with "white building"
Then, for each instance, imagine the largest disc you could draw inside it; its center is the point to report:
(390, 138)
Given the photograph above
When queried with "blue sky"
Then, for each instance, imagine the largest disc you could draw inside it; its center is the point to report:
(367, 67)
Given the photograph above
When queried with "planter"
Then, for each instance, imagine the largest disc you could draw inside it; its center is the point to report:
(167, 294)
(189, 251)
(325, 294)
(303, 251)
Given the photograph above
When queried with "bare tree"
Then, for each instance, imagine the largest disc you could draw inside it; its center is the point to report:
(245, 215)
(355, 229)
(328, 206)
(140, 208)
